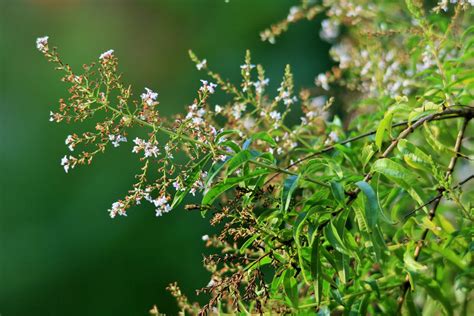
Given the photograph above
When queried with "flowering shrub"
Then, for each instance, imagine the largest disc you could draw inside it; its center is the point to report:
(370, 215)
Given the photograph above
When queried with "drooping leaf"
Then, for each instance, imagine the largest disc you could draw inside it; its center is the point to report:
(334, 239)
(247, 243)
(414, 156)
(384, 126)
(338, 192)
(372, 209)
(289, 186)
(316, 270)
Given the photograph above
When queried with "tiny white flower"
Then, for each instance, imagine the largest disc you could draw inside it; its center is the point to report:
(237, 110)
(318, 102)
(329, 30)
(149, 97)
(275, 115)
(205, 238)
(177, 186)
(69, 141)
(260, 85)
(218, 109)
(65, 163)
(117, 208)
(322, 81)
(117, 139)
(332, 137)
(42, 44)
(201, 65)
(208, 86)
(293, 12)
(106, 55)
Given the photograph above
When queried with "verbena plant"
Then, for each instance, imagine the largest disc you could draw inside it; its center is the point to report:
(370, 215)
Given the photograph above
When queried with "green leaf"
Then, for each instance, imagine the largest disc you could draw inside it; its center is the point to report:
(237, 160)
(247, 243)
(372, 208)
(411, 264)
(265, 137)
(334, 239)
(414, 156)
(338, 192)
(434, 290)
(385, 125)
(425, 109)
(400, 175)
(224, 133)
(220, 188)
(289, 186)
(316, 270)
(231, 145)
(449, 255)
(290, 286)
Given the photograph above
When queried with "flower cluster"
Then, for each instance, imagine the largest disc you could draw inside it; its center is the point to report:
(149, 148)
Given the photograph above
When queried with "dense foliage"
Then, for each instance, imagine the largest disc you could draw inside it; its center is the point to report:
(371, 214)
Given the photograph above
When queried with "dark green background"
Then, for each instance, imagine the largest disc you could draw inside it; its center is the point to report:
(60, 253)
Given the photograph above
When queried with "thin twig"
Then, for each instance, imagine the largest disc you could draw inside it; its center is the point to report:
(439, 196)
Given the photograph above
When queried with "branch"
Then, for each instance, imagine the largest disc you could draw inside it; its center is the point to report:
(466, 112)
(439, 196)
(447, 114)
(432, 212)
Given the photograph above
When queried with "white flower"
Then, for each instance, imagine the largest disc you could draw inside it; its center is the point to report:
(247, 68)
(237, 110)
(275, 115)
(149, 148)
(218, 109)
(201, 65)
(293, 11)
(51, 116)
(66, 163)
(249, 123)
(205, 237)
(221, 157)
(149, 97)
(329, 30)
(177, 186)
(117, 208)
(340, 53)
(318, 102)
(322, 81)
(69, 141)
(207, 86)
(42, 44)
(332, 137)
(260, 85)
(106, 55)
(117, 139)
(161, 205)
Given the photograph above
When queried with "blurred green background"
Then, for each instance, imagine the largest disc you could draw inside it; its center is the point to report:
(60, 253)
